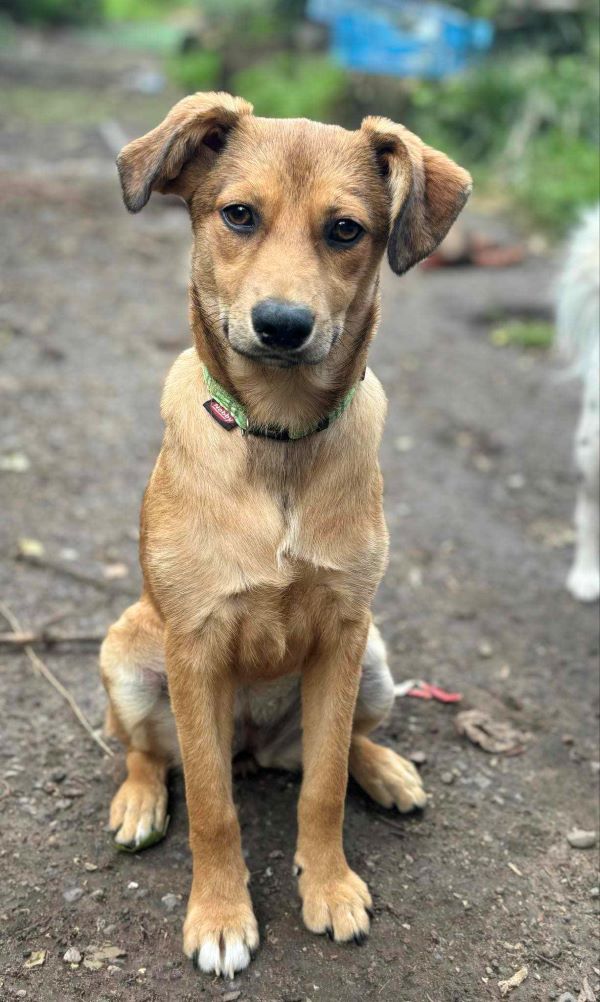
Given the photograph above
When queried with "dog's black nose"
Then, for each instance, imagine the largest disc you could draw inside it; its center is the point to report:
(282, 325)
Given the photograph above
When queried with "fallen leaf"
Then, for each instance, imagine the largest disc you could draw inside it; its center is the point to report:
(30, 547)
(552, 534)
(517, 979)
(497, 737)
(105, 952)
(36, 959)
(14, 462)
(92, 965)
(97, 956)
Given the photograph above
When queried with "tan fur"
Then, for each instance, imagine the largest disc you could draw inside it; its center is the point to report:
(261, 558)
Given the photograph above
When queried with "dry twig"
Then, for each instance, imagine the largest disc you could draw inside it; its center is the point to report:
(113, 587)
(41, 668)
(48, 639)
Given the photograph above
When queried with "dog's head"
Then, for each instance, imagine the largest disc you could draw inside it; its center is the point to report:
(291, 218)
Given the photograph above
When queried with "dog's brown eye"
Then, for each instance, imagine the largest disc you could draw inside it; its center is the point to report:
(345, 231)
(239, 217)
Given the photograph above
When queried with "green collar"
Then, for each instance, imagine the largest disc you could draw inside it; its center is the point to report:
(229, 412)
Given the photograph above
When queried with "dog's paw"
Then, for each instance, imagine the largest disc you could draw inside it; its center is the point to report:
(138, 815)
(339, 906)
(220, 938)
(390, 780)
(584, 584)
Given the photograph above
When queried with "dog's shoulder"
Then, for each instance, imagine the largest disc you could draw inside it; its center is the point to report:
(370, 409)
(182, 385)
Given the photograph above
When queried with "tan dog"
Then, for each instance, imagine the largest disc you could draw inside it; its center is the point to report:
(263, 537)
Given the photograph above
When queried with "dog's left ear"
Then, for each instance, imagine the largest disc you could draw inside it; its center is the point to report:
(195, 128)
(428, 190)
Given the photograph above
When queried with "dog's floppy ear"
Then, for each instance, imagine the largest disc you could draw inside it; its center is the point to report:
(155, 161)
(428, 191)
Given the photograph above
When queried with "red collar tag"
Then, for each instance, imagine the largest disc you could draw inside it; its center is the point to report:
(220, 414)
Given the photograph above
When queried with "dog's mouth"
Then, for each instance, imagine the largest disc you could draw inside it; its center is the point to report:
(274, 359)
(313, 352)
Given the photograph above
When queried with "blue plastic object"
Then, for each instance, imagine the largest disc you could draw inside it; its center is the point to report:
(406, 39)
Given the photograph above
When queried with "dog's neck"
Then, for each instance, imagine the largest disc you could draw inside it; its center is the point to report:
(296, 397)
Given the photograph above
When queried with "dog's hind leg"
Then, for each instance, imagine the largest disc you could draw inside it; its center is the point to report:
(132, 665)
(584, 578)
(389, 779)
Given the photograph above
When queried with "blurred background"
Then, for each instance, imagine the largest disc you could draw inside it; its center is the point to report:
(479, 493)
(508, 86)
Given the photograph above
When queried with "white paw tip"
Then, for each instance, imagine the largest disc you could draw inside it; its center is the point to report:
(584, 586)
(237, 957)
(208, 957)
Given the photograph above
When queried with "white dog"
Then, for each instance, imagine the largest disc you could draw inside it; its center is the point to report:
(578, 323)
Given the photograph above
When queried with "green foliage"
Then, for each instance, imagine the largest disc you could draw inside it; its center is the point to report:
(559, 175)
(524, 334)
(530, 122)
(53, 12)
(291, 86)
(199, 69)
(138, 10)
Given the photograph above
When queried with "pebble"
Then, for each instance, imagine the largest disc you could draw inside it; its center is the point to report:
(418, 757)
(594, 892)
(72, 956)
(73, 894)
(230, 996)
(447, 778)
(170, 901)
(578, 838)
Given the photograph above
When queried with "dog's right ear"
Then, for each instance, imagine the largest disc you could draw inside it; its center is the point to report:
(155, 162)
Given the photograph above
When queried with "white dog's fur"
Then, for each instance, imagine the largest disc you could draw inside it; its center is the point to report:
(578, 323)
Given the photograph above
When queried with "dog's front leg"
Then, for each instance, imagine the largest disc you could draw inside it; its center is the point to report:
(334, 899)
(220, 931)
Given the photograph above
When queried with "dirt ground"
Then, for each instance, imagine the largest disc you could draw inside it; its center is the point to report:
(479, 492)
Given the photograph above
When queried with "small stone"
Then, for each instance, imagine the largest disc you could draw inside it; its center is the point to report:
(485, 649)
(595, 892)
(447, 778)
(578, 838)
(418, 757)
(276, 854)
(90, 867)
(230, 996)
(99, 894)
(72, 956)
(170, 901)
(73, 894)
(132, 885)
(115, 571)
